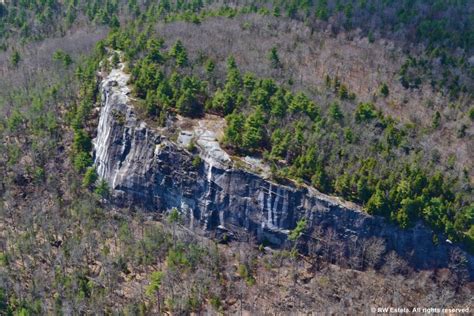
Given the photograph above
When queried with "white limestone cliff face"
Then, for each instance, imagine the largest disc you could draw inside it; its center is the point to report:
(145, 169)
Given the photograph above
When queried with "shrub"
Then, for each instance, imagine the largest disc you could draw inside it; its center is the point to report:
(384, 90)
(81, 161)
(90, 177)
(196, 161)
(365, 112)
(471, 114)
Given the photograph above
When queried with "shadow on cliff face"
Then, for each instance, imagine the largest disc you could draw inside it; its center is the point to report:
(236, 205)
(147, 170)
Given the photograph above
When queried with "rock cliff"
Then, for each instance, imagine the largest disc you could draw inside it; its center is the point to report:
(145, 168)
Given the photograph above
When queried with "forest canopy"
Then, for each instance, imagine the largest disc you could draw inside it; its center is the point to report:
(384, 172)
(391, 142)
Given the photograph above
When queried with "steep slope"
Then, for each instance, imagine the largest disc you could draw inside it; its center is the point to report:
(69, 248)
(144, 167)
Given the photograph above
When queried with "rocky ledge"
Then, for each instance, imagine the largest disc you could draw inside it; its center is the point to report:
(147, 170)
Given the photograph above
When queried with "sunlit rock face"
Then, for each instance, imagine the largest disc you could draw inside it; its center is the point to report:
(145, 169)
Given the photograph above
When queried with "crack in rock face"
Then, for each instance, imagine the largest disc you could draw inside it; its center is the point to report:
(145, 169)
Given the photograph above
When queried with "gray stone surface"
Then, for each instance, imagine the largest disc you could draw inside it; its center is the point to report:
(145, 169)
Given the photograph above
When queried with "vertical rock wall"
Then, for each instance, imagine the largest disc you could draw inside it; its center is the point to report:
(145, 169)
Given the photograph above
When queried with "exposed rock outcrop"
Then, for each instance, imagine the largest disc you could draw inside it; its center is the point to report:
(145, 168)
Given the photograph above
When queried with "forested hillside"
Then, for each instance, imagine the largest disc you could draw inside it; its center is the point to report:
(370, 101)
(438, 24)
(327, 137)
